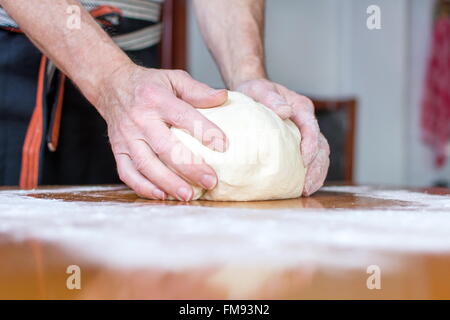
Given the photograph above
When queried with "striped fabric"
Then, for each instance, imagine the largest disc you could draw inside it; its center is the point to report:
(6, 20)
(140, 39)
(135, 9)
(145, 10)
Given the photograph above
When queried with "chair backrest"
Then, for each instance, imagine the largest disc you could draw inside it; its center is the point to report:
(173, 41)
(337, 120)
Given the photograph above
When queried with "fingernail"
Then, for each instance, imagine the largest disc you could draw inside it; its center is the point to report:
(214, 92)
(219, 145)
(184, 194)
(208, 181)
(159, 194)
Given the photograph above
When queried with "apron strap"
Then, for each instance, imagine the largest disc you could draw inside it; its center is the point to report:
(33, 139)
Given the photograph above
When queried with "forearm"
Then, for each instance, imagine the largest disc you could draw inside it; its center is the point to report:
(233, 31)
(87, 54)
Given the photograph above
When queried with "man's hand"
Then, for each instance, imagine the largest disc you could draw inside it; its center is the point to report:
(288, 104)
(139, 106)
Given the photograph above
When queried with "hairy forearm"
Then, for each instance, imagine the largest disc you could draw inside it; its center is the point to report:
(233, 31)
(86, 54)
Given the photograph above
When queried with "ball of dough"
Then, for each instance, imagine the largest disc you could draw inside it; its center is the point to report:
(263, 159)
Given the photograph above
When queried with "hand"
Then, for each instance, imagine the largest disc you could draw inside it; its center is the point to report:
(140, 105)
(288, 104)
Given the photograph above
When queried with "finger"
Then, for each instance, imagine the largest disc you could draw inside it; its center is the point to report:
(274, 101)
(315, 176)
(146, 162)
(132, 178)
(196, 93)
(306, 121)
(178, 157)
(317, 172)
(267, 94)
(182, 115)
(309, 130)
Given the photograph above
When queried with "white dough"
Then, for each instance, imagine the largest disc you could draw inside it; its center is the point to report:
(263, 159)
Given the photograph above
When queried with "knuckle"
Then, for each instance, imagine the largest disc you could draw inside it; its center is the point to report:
(136, 119)
(272, 97)
(123, 176)
(141, 119)
(259, 86)
(195, 87)
(244, 88)
(142, 164)
(305, 100)
(148, 95)
(262, 88)
(154, 101)
(180, 73)
(161, 147)
(178, 118)
(305, 103)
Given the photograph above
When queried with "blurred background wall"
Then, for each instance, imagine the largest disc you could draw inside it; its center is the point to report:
(323, 48)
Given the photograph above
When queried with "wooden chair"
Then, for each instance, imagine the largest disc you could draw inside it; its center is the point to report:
(173, 41)
(337, 120)
(338, 113)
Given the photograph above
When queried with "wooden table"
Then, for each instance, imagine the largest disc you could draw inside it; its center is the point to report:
(35, 267)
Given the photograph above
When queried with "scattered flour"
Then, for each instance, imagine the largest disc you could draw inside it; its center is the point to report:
(416, 199)
(139, 234)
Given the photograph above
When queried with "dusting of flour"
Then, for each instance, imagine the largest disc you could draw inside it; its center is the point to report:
(136, 234)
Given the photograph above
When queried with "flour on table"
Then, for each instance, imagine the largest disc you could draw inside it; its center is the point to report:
(173, 237)
(416, 199)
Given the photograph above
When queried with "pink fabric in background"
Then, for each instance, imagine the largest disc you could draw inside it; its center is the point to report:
(436, 100)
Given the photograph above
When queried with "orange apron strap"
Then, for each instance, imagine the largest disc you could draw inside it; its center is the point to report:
(12, 29)
(33, 139)
(104, 11)
(55, 124)
(107, 16)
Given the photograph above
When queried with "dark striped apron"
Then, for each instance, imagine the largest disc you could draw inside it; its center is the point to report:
(49, 133)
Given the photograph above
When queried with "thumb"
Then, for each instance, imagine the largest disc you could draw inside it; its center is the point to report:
(266, 93)
(197, 94)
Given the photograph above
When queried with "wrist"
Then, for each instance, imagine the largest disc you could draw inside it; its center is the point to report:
(111, 83)
(252, 69)
(105, 78)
